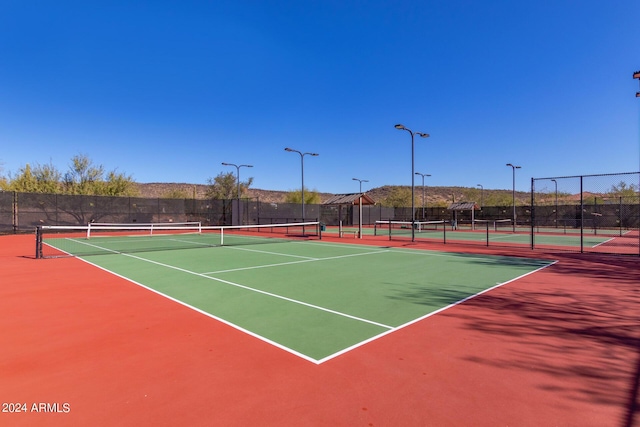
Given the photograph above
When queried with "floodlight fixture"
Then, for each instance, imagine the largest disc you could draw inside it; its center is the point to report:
(237, 175)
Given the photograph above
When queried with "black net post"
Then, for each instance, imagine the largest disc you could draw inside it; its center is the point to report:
(38, 242)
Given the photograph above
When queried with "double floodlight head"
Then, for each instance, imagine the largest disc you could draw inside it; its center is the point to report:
(515, 167)
(238, 166)
(402, 127)
(299, 152)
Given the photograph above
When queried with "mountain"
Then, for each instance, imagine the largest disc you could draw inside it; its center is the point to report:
(438, 195)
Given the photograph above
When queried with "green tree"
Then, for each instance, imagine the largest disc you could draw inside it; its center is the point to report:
(623, 190)
(399, 197)
(39, 179)
(224, 186)
(116, 184)
(25, 182)
(176, 194)
(501, 198)
(83, 177)
(311, 197)
(86, 178)
(4, 182)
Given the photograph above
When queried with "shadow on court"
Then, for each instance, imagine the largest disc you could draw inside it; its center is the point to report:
(575, 323)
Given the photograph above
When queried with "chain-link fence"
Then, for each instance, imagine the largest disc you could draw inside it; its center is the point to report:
(22, 212)
(590, 213)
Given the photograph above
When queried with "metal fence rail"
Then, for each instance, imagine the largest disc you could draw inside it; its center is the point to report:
(585, 206)
(599, 212)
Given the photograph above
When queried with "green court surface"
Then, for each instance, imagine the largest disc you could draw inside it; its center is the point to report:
(314, 299)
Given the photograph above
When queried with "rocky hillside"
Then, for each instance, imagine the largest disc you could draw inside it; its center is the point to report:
(436, 195)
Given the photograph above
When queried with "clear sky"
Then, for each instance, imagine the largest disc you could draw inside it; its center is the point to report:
(165, 91)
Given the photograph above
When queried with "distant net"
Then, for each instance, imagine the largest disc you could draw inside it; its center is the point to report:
(492, 224)
(402, 228)
(103, 239)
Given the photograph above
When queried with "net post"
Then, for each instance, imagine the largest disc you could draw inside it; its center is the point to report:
(389, 228)
(221, 236)
(444, 232)
(88, 230)
(39, 242)
(487, 223)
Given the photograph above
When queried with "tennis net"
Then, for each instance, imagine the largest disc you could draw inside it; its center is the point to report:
(101, 239)
(492, 224)
(391, 227)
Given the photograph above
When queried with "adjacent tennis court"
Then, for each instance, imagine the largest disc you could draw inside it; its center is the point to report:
(491, 233)
(311, 298)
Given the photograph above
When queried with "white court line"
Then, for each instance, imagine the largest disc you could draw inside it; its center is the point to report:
(602, 243)
(411, 322)
(317, 307)
(269, 252)
(219, 319)
(389, 330)
(290, 262)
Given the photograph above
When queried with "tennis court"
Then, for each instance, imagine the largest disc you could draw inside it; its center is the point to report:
(311, 298)
(499, 232)
(268, 328)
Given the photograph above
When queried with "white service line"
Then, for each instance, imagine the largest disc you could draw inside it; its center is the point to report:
(290, 262)
(317, 307)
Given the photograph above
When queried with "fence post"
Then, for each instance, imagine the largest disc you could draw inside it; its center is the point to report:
(581, 217)
(533, 215)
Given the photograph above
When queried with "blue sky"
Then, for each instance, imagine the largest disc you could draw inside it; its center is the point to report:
(166, 91)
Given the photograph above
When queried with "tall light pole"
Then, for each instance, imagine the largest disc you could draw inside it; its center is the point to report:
(513, 193)
(239, 215)
(360, 209)
(413, 215)
(360, 181)
(237, 175)
(481, 195)
(636, 75)
(302, 171)
(556, 183)
(424, 200)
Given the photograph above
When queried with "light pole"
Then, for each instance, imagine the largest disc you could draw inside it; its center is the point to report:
(481, 195)
(424, 200)
(513, 193)
(237, 175)
(556, 183)
(238, 215)
(413, 215)
(302, 171)
(360, 208)
(636, 75)
(360, 181)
